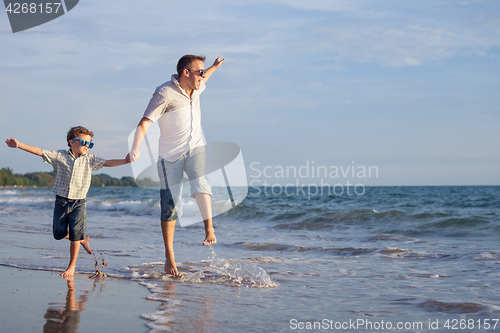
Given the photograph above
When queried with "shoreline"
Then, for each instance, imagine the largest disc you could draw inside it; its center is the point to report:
(23, 187)
(36, 300)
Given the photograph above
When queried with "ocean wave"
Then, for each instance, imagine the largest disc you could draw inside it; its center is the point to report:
(392, 222)
(293, 213)
(32, 201)
(395, 252)
(348, 251)
(130, 207)
(143, 207)
(327, 220)
(244, 212)
(265, 260)
(429, 216)
(456, 223)
(288, 216)
(387, 251)
(459, 307)
(488, 256)
(122, 202)
(393, 237)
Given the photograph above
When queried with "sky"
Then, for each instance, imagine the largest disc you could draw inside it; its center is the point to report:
(402, 88)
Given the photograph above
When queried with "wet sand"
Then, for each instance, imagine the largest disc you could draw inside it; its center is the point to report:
(35, 301)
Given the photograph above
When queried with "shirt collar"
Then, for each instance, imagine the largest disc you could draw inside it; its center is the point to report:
(70, 153)
(175, 80)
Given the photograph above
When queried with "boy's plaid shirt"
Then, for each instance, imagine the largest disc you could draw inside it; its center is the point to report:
(73, 175)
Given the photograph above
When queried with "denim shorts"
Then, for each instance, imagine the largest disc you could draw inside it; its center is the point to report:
(172, 177)
(69, 214)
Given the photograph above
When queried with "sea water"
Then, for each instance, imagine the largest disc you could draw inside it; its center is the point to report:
(409, 258)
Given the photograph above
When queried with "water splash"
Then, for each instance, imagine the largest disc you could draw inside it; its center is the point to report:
(233, 273)
(229, 272)
(99, 266)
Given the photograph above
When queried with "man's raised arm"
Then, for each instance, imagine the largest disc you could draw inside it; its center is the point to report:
(213, 68)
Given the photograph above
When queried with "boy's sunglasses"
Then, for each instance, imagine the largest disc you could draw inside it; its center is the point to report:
(84, 143)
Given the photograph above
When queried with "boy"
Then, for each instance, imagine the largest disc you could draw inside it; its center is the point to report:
(72, 181)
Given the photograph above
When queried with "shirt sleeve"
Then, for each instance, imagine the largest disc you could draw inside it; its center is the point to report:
(49, 156)
(96, 162)
(156, 107)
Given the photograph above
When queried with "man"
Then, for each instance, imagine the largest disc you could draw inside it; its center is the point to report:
(176, 107)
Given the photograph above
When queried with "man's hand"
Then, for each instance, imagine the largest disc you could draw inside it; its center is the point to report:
(133, 156)
(218, 62)
(213, 68)
(12, 143)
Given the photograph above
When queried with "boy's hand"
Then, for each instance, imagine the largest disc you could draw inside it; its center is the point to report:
(12, 143)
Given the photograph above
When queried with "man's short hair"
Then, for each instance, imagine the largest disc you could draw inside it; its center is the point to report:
(77, 130)
(186, 61)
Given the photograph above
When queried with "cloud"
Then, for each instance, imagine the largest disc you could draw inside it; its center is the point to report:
(292, 67)
(323, 5)
(384, 42)
(412, 62)
(333, 31)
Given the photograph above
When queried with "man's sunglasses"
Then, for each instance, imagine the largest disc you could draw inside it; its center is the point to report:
(84, 143)
(200, 72)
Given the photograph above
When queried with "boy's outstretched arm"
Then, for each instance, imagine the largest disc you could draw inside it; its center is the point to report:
(114, 163)
(13, 143)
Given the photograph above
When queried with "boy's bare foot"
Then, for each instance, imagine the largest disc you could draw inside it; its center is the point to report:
(69, 272)
(170, 267)
(86, 245)
(209, 237)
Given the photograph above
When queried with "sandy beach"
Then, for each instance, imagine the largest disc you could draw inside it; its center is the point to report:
(35, 301)
(393, 257)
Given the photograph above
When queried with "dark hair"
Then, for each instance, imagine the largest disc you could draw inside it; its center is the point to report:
(75, 131)
(186, 61)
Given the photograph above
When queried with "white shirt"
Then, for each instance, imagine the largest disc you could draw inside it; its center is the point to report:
(179, 118)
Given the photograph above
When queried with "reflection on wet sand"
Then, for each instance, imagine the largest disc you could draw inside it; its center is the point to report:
(176, 312)
(66, 318)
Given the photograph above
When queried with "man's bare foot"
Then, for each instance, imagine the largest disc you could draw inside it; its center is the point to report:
(70, 279)
(209, 237)
(170, 267)
(86, 245)
(69, 272)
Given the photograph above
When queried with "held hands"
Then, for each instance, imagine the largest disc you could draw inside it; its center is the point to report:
(12, 143)
(133, 156)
